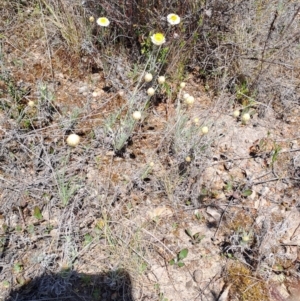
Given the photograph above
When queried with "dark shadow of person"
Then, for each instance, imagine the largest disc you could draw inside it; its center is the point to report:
(70, 285)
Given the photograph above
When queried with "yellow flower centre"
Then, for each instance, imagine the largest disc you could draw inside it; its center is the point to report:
(173, 18)
(159, 37)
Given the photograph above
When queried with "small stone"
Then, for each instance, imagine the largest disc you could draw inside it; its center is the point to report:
(54, 233)
(294, 144)
(82, 89)
(228, 165)
(214, 213)
(236, 195)
(189, 284)
(60, 75)
(219, 195)
(264, 191)
(198, 275)
(96, 77)
(211, 178)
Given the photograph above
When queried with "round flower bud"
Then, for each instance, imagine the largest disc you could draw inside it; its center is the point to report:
(182, 85)
(73, 140)
(246, 117)
(30, 103)
(94, 94)
(186, 96)
(161, 80)
(150, 91)
(196, 121)
(91, 19)
(204, 130)
(245, 238)
(236, 113)
(121, 93)
(190, 100)
(151, 164)
(137, 115)
(188, 159)
(148, 77)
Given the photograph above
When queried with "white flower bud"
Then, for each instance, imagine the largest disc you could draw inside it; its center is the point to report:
(186, 96)
(246, 117)
(190, 100)
(137, 115)
(196, 121)
(150, 91)
(182, 85)
(148, 77)
(30, 103)
(245, 238)
(204, 130)
(73, 140)
(236, 113)
(161, 80)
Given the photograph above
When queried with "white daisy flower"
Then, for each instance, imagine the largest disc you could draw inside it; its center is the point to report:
(103, 21)
(158, 39)
(173, 19)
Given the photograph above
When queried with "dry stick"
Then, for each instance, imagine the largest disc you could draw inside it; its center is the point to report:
(233, 159)
(201, 291)
(276, 179)
(262, 176)
(221, 218)
(292, 236)
(267, 61)
(251, 157)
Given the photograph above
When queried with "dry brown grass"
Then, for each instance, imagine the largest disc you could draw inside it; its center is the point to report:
(91, 209)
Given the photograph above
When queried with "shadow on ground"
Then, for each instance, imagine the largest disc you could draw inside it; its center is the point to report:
(70, 285)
